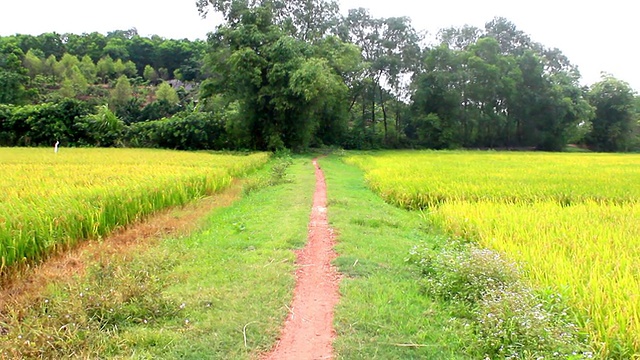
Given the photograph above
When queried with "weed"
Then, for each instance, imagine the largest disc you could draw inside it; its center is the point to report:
(85, 317)
(506, 319)
(462, 272)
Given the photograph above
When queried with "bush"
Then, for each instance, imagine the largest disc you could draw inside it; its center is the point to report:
(504, 319)
(100, 129)
(43, 124)
(184, 131)
(513, 322)
(462, 272)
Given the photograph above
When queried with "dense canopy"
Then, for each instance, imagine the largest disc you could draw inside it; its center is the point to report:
(297, 74)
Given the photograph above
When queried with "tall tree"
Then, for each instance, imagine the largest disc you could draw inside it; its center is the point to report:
(88, 69)
(615, 118)
(122, 92)
(151, 75)
(106, 68)
(166, 92)
(13, 76)
(280, 87)
(33, 63)
(306, 20)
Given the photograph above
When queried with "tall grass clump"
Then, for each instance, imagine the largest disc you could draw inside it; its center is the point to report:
(85, 318)
(53, 200)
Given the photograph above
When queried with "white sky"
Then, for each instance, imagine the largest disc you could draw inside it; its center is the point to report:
(595, 36)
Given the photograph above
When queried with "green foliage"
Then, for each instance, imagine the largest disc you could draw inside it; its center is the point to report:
(150, 74)
(166, 92)
(158, 110)
(88, 69)
(615, 118)
(101, 129)
(66, 89)
(281, 89)
(43, 124)
(122, 92)
(506, 319)
(13, 75)
(184, 131)
(33, 63)
(294, 75)
(105, 68)
(497, 90)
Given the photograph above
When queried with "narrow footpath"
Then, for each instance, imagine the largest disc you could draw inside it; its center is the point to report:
(308, 332)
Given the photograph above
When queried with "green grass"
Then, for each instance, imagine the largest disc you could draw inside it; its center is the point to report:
(383, 308)
(195, 297)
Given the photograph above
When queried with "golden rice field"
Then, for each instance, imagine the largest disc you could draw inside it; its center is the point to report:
(50, 201)
(571, 220)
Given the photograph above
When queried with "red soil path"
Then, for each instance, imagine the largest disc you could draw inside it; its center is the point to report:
(308, 331)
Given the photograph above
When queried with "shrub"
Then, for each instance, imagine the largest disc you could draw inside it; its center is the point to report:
(462, 272)
(184, 131)
(505, 319)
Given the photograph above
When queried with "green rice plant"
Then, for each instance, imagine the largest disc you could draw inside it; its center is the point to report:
(50, 201)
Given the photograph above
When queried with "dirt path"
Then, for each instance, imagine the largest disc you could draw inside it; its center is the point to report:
(308, 331)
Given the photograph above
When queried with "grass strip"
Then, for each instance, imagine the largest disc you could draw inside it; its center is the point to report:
(383, 312)
(219, 293)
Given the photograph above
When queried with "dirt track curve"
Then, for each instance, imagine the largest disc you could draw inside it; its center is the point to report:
(308, 332)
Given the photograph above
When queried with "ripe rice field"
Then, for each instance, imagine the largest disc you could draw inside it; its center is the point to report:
(572, 221)
(50, 201)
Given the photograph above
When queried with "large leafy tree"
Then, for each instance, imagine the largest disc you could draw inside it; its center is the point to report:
(276, 81)
(391, 53)
(615, 118)
(496, 88)
(13, 76)
(306, 20)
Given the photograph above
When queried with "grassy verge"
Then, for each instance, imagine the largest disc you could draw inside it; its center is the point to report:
(383, 313)
(413, 292)
(219, 293)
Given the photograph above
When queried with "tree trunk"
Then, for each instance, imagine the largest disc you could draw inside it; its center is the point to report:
(373, 112)
(364, 113)
(384, 116)
(397, 123)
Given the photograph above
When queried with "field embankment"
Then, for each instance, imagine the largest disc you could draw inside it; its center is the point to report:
(570, 220)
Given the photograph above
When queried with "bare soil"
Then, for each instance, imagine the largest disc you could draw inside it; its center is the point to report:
(308, 332)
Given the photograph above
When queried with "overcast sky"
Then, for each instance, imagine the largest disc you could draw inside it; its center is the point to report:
(596, 36)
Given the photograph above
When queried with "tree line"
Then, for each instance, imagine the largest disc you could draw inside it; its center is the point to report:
(298, 74)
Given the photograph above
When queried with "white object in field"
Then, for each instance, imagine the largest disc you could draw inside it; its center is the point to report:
(55, 148)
